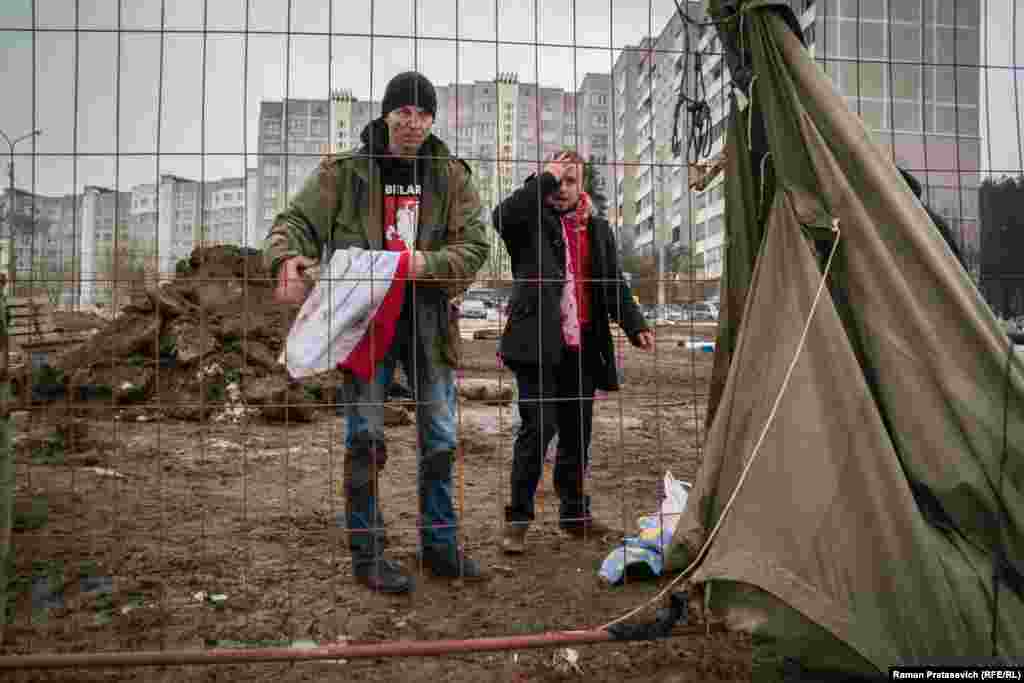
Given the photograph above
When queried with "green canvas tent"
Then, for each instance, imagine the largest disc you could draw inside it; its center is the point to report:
(882, 470)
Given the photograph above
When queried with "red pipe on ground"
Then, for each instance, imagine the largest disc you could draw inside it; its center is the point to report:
(391, 648)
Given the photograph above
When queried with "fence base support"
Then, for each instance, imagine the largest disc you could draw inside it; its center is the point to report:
(393, 648)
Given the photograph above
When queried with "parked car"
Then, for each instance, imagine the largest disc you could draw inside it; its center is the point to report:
(701, 312)
(473, 308)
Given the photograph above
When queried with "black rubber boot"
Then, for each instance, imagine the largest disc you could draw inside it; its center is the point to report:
(450, 562)
(366, 537)
(441, 553)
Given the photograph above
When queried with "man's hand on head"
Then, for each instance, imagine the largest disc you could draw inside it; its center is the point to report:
(292, 287)
(557, 166)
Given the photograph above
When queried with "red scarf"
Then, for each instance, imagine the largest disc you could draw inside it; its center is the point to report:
(577, 256)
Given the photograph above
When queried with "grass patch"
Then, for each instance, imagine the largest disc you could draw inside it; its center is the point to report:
(51, 451)
(232, 345)
(36, 517)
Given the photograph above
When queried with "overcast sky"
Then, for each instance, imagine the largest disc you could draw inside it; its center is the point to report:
(235, 88)
(1002, 87)
(240, 72)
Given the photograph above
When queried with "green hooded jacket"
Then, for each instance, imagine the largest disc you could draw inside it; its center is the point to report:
(341, 206)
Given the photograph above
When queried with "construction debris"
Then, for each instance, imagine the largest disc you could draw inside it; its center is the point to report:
(490, 392)
(202, 346)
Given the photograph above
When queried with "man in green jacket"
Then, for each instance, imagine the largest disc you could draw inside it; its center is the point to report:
(402, 190)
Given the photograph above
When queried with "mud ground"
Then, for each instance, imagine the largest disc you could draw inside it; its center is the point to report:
(142, 532)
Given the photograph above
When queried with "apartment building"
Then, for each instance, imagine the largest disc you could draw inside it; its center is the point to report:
(652, 206)
(224, 211)
(910, 69)
(59, 237)
(502, 128)
(293, 136)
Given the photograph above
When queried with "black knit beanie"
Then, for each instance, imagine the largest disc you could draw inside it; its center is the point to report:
(410, 88)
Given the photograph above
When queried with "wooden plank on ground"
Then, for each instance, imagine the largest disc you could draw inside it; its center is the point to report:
(37, 322)
(28, 302)
(31, 326)
(52, 339)
(31, 314)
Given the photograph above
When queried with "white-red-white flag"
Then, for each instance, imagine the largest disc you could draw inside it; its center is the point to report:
(348, 320)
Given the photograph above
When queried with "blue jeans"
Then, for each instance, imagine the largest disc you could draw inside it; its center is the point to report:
(362, 405)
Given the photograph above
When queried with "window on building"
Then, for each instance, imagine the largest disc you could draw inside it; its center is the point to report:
(968, 12)
(875, 114)
(907, 116)
(872, 80)
(962, 120)
(716, 225)
(906, 82)
(907, 44)
(945, 85)
(940, 11)
(863, 9)
(717, 193)
(906, 10)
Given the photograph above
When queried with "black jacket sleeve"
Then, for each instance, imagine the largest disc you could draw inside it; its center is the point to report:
(523, 207)
(622, 307)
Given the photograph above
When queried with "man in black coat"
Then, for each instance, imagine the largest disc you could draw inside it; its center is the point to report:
(557, 340)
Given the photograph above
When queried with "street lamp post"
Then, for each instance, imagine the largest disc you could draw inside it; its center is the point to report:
(11, 260)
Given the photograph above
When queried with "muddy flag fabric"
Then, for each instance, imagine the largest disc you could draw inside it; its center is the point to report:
(881, 519)
(348, 320)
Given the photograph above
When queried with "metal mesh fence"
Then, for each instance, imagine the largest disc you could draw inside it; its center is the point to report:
(176, 488)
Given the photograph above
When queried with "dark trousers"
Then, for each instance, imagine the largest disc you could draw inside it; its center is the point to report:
(553, 398)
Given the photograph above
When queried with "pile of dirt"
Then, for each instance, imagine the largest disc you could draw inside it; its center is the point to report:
(202, 346)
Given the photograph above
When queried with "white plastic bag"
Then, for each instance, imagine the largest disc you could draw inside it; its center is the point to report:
(647, 548)
(676, 493)
(658, 528)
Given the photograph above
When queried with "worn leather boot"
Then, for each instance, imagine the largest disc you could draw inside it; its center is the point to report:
(513, 535)
(513, 538)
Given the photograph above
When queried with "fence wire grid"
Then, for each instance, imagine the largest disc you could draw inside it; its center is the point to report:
(175, 488)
